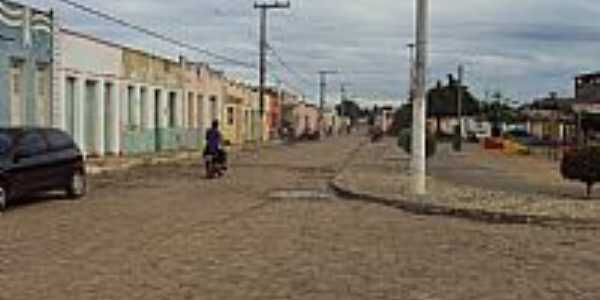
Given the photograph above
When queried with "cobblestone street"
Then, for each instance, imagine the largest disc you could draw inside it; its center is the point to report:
(164, 232)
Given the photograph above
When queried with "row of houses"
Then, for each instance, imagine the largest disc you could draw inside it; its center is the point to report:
(553, 119)
(118, 100)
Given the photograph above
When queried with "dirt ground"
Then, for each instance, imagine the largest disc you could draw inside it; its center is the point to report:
(163, 232)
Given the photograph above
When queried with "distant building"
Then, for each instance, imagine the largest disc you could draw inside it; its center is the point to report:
(386, 118)
(299, 117)
(241, 117)
(471, 125)
(587, 93)
(26, 51)
(333, 122)
(550, 118)
(273, 112)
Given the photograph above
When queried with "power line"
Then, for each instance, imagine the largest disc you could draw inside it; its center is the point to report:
(286, 66)
(154, 34)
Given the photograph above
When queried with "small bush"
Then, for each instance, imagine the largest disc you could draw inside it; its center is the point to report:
(405, 142)
(582, 165)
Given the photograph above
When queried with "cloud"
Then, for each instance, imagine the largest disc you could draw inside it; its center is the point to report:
(526, 48)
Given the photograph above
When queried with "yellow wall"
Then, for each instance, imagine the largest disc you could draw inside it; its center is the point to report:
(142, 67)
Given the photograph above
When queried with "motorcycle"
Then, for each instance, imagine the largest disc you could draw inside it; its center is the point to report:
(376, 134)
(214, 167)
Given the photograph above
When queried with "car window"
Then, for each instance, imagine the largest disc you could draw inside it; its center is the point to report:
(6, 141)
(32, 144)
(58, 140)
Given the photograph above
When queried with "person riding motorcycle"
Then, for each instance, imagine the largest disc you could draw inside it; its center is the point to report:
(214, 142)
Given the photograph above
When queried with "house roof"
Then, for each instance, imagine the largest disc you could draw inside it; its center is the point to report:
(588, 75)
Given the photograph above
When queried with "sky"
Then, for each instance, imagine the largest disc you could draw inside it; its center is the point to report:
(523, 48)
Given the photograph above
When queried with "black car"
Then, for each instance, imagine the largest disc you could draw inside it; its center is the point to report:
(37, 160)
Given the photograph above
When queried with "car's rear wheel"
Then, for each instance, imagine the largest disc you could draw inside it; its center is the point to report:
(77, 185)
(3, 196)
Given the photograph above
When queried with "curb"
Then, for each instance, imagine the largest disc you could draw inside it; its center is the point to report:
(157, 159)
(483, 216)
(93, 169)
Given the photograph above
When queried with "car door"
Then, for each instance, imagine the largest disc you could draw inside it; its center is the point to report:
(63, 155)
(30, 163)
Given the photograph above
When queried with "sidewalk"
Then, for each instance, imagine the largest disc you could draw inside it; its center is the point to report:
(380, 173)
(95, 166)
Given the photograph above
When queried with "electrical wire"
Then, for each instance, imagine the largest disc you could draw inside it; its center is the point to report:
(155, 34)
(286, 66)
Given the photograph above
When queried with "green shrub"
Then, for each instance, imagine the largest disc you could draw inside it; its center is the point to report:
(582, 165)
(405, 142)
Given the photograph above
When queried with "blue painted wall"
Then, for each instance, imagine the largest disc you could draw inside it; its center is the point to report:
(13, 45)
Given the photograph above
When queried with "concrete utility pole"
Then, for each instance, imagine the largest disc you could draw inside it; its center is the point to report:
(323, 87)
(323, 90)
(264, 7)
(419, 163)
(459, 95)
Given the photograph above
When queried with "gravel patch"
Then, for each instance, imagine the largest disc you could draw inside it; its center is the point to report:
(381, 171)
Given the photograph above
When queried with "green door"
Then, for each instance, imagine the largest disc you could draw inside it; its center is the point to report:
(91, 118)
(108, 105)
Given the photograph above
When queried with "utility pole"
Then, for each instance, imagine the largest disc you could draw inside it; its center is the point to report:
(323, 90)
(419, 163)
(264, 7)
(459, 94)
(323, 87)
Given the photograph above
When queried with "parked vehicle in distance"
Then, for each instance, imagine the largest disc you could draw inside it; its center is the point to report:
(37, 160)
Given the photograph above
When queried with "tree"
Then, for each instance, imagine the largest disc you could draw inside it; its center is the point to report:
(582, 165)
(442, 101)
(498, 112)
(402, 119)
(405, 142)
(349, 109)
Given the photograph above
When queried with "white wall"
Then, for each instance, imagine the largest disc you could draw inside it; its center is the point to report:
(90, 56)
(85, 58)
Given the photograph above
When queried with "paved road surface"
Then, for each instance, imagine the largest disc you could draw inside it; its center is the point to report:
(163, 232)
